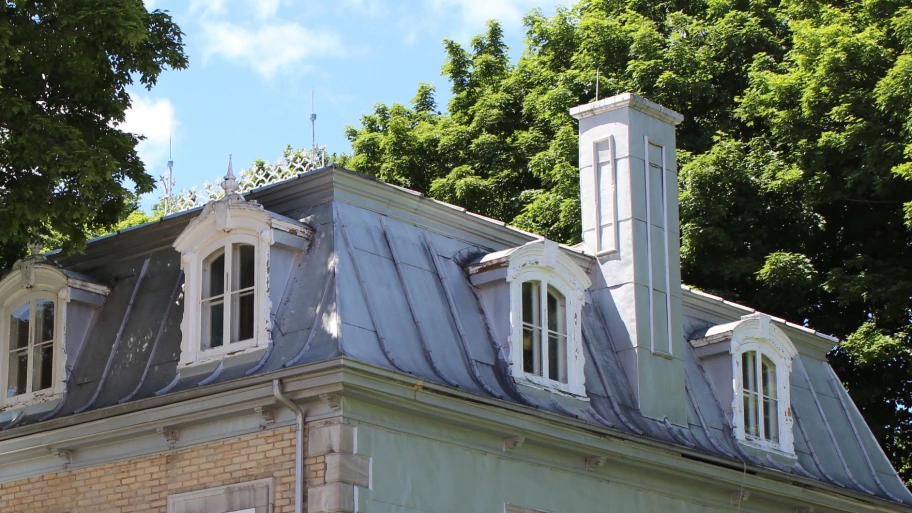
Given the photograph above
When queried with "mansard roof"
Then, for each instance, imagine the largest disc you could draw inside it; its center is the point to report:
(382, 264)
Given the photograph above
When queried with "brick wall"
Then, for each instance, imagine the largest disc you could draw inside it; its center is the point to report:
(142, 485)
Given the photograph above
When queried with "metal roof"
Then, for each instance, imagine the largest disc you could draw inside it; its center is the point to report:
(377, 288)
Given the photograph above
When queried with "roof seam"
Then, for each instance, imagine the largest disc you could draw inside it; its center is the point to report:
(453, 312)
(370, 308)
(118, 337)
(422, 338)
(158, 336)
(829, 430)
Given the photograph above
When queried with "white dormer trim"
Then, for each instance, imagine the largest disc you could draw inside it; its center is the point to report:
(755, 332)
(32, 279)
(544, 261)
(221, 224)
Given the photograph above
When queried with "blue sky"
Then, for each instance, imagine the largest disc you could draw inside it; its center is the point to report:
(253, 64)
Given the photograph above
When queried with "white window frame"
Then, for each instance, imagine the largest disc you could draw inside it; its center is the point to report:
(756, 333)
(33, 279)
(227, 243)
(543, 261)
(254, 231)
(231, 220)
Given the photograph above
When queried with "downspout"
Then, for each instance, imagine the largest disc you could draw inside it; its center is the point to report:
(299, 442)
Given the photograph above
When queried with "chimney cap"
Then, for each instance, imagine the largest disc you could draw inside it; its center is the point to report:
(630, 100)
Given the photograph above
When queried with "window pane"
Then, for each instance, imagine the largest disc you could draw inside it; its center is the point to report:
(19, 326)
(532, 350)
(242, 316)
(749, 371)
(244, 266)
(771, 419)
(556, 319)
(530, 297)
(769, 377)
(557, 357)
(44, 313)
(214, 274)
(751, 424)
(17, 375)
(43, 367)
(213, 327)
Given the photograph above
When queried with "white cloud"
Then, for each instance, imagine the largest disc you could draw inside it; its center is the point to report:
(462, 19)
(271, 48)
(262, 8)
(155, 119)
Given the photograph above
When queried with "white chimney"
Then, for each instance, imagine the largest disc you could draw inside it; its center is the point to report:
(631, 224)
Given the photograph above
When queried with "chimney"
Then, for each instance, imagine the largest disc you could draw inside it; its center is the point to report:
(629, 197)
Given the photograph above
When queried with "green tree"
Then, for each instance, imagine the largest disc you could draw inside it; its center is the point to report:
(65, 166)
(795, 156)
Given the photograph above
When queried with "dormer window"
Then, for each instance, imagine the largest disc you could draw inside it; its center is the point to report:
(756, 391)
(37, 299)
(229, 255)
(533, 296)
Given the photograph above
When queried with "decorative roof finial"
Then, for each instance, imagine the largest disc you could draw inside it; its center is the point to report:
(229, 182)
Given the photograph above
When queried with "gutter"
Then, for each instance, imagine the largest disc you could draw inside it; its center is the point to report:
(299, 441)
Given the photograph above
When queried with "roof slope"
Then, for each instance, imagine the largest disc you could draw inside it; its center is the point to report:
(390, 293)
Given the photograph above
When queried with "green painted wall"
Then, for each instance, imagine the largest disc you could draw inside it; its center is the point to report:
(432, 467)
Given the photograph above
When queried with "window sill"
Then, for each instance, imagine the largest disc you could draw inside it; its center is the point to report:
(42, 397)
(228, 356)
(762, 448)
(543, 388)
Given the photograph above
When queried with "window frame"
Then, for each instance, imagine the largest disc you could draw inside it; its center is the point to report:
(9, 307)
(545, 332)
(756, 333)
(192, 350)
(35, 280)
(227, 248)
(544, 261)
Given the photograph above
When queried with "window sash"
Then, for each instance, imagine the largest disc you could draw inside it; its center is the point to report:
(31, 348)
(548, 346)
(229, 298)
(760, 404)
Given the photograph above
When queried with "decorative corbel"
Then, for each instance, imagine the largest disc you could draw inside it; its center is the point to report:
(65, 455)
(738, 497)
(170, 434)
(267, 413)
(594, 461)
(512, 443)
(334, 401)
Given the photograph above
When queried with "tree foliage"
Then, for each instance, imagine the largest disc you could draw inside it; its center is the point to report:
(795, 155)
(66, 169)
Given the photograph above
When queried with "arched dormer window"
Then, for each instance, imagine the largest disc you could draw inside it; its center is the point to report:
(534, 295)
(229, 255)
(37, 297)
(761, 363)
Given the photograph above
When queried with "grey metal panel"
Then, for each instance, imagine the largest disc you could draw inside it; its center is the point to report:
(141, 329)
(361, 344)
(443, 340)
(815, 426)
(467, 308)
(393, 314)
(93, 357)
